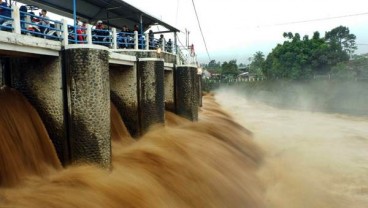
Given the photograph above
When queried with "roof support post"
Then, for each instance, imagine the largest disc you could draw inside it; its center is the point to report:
(141, 29)
(176, 47)
(75, 20)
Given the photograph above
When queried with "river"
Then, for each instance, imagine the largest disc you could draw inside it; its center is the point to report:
(313, 160)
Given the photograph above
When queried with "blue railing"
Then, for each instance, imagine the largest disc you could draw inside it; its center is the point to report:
(6, 21)
(80, 33)
(141, 42)
(153, 43)
(102, 37)
(125, 40)
(20, 21)
(40, 26)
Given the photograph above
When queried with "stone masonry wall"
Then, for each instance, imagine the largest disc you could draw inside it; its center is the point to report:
(40, 80)
(87, 76)
(123, 84)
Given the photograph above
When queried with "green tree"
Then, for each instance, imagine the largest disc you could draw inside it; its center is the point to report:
(214, 66)
(340, 38)
(257, 62)
(289, 60)
(300, 58)
(230, 69)
(356, 68)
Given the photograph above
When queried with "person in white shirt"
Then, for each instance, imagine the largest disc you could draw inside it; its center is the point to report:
(44, 21)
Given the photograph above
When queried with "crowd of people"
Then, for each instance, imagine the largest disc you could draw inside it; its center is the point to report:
(100, 32)
(41, 23)
(160, 43)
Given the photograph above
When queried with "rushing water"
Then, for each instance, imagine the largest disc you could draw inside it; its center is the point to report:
(25, 147)
(210, 163)
(282, 159)
(313, 160)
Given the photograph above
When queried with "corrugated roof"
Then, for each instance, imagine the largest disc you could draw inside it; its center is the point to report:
(115, 13)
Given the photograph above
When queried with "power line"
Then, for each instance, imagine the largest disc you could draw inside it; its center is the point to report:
(177, 11)
(200, 28)
(321, 19)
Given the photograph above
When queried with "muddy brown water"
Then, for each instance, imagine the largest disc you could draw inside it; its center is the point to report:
(311, 159)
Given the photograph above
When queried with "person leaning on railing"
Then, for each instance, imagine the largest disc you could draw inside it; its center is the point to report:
(81, 30)
(4, 11)
(151, 38)
(169, 46)
(124, 37)
(162, 42)
(102, 34)
(99, 30)
(43, 21)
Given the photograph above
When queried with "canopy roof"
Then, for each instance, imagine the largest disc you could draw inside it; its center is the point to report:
(116, 13)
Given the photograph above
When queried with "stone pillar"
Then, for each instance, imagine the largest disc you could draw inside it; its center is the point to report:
(2, 71)
(169, 90)
(123, 91)
(39, 79)
(200, 90)
(186, 92)
(150, 92)
(88, 95)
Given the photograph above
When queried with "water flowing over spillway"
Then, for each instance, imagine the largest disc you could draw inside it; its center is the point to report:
(210, 163)
(312, 159)
(25, 147)
(282, 159)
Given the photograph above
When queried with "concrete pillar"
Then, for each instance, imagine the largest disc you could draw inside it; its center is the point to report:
(88, 95)
(150, 92)
(169, 90)
(89, 34)
(114, 38)
(2, 71)
(16, 19)
(186, 92)
(136, 40)
(199, 90)
(123, 89)
(65, 33)
(147, 41)
(39, 78)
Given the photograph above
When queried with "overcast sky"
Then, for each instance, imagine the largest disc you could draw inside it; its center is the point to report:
(236, 29)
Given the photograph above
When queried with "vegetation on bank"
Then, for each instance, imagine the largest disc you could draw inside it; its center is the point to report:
(302, 58)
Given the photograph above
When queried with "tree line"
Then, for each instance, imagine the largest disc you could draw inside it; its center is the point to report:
(299, 58)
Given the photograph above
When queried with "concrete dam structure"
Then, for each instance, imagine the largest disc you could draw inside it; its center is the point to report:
(71, 86)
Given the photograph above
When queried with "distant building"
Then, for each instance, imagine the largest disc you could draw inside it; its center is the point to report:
(206, 74)
(244, 75)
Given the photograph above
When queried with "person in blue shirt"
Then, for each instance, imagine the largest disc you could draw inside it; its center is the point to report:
(4, 11)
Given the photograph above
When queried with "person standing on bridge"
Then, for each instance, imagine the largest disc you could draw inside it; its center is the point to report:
(124, 37)
(151, 38)
(169, 46)
(162, 42)
(44, 21)
(81, 31)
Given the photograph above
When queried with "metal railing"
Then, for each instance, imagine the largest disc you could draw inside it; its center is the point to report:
(6, 20)
(79, 36)
(125, 40)
(40, 26)
(20, 21)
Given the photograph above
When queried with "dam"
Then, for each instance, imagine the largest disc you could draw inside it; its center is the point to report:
(70, 73)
